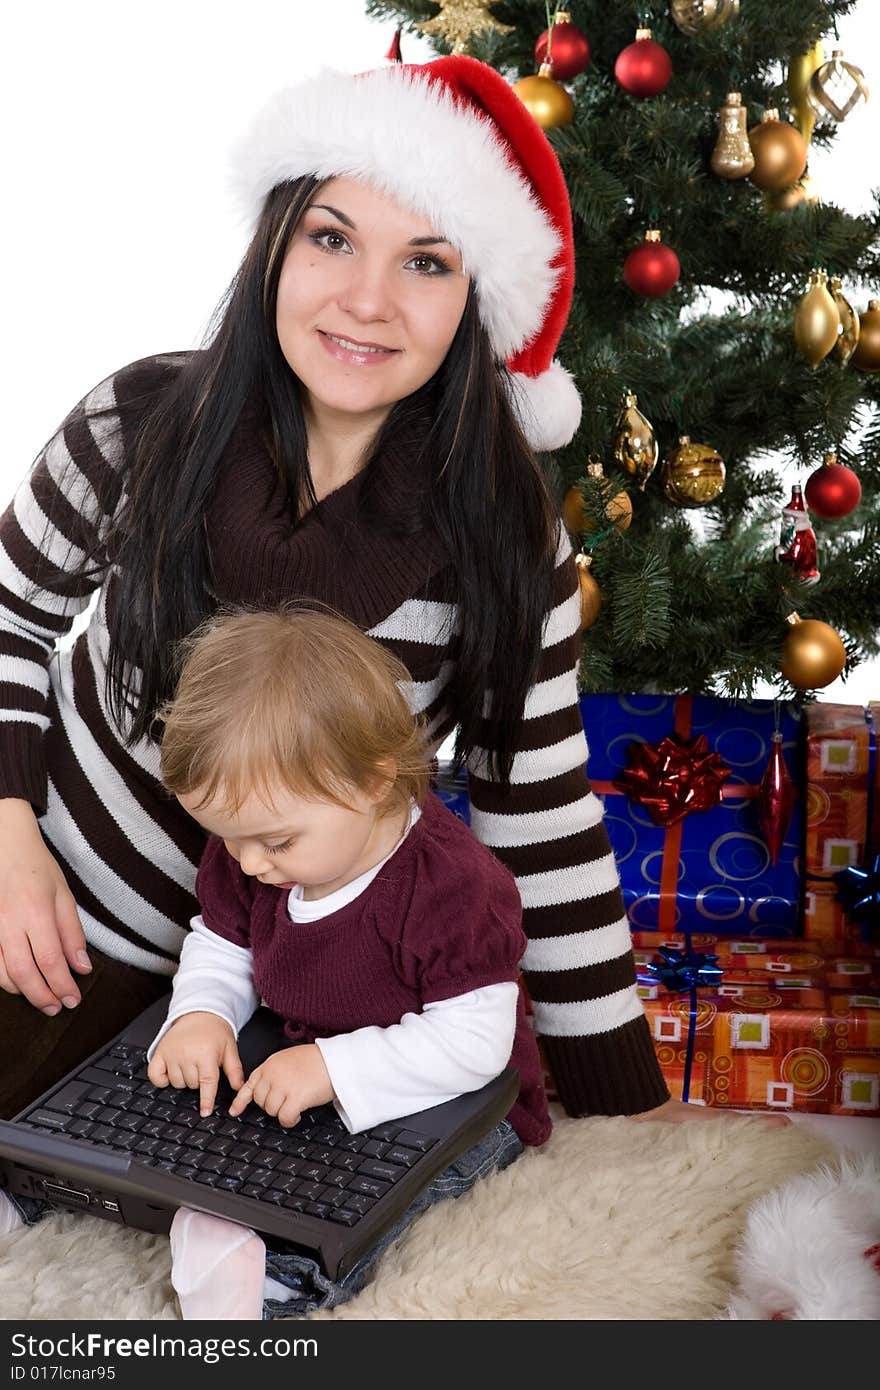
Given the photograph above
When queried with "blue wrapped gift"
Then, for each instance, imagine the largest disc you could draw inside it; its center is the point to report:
(711, 870)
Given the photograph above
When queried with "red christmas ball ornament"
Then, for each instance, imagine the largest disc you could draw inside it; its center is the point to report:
(569, 52)
(833, 490)
(644, 68)
(651, 268)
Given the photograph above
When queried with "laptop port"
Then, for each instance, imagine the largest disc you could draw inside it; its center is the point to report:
(109, 1206)
(67, 1194)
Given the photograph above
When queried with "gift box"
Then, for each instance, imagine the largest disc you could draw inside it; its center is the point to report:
(843, 812)
(710, 870)
(796, 964)
(452, 791)
(767, 1048)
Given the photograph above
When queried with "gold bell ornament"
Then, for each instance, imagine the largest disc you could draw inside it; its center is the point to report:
(693, 474)
(848, 338)
(800, 70)
(816, 320)
(591, 594)
(780, 152)
(546, 99)
(732, 156)
(617, 506)
(867, 352)
(813, 655)
(696, 17)
(836, 88)
(635, 444)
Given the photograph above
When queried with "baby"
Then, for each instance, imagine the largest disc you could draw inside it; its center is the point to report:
(340, 893)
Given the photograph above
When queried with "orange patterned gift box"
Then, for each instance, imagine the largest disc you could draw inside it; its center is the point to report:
(843, 787)
(772, 1049)
(790, 964)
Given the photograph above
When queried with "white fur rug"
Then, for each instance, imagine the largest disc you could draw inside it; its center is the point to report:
(610, 1220)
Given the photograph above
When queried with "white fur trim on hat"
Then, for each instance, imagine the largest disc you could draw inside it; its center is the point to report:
(408, 138)
(548, 406)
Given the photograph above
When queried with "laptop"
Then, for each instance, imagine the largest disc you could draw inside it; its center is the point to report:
(106, 1141)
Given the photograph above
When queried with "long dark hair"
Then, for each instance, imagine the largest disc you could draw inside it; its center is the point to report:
(485, 497)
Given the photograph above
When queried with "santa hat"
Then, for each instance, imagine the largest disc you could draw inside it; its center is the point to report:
(451, 140)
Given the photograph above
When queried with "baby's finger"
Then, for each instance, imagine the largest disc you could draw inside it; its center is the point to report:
(242, 1100)
(175, 1076)
(208, 1078)
(232, 1066)
(157, 1072)
(289, 1114)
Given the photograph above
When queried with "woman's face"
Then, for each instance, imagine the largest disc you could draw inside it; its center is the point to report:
(354, 270)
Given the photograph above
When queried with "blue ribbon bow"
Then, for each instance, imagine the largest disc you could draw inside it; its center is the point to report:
(681, 969)
(859, 892)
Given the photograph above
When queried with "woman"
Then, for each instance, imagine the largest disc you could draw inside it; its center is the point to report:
(358, 430)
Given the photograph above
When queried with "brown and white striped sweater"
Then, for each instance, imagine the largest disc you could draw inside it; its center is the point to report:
(130, 853)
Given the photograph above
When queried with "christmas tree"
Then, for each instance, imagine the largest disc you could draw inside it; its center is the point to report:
(692, 596)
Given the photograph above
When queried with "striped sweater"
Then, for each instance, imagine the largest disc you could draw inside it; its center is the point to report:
(130, 853)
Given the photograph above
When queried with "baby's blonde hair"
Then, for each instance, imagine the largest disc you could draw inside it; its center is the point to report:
(297, 698)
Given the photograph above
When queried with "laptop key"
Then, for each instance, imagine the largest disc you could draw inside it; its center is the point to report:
(152, 1128)
(386, 1133)
(173, 1133)
(196, 1140)
(374, 1149)
(68, 1098)
(79, 1128)
(245, 1153)
(350, 1162)
(411, 1140)
(209, 1179)
(221, 1144)
(251, 1189)
(228, 1184)
(101, 1093)
(396, 1153)
(337, 1178)
(294, 1203)
(140, 1106)
(87, 1110)
(49, 1119)
(129, 1122)
(373, 1168)
(261, 1177)
(171, 1151)
(359, 1202)
(101, 1134)
(343, 1216)
(371, 1187)
(320, 1209)
(314, 1172)
(211, 1163)
(124, 1141)
(109, 1115)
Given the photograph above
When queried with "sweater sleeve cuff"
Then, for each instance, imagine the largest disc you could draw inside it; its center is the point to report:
(614, 1073)
(23, 764)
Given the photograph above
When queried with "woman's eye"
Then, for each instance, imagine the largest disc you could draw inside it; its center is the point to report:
(318, 237)
(277, 849)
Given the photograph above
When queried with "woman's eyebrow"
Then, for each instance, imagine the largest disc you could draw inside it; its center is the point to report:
(416, 240)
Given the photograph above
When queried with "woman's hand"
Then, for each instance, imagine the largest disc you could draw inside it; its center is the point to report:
(41, 936)
(192, 1053)
(287, 1083)
(680, 1112)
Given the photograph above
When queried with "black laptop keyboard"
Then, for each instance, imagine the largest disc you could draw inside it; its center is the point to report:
(316, 1166)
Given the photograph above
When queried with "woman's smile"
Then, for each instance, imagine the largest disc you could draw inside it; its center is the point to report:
(345, 350)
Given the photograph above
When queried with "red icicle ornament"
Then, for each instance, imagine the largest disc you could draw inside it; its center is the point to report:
(776, 800)
(394, 54)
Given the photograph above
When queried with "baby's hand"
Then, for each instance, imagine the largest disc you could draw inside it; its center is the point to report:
(191, 1054)
(287, 1083)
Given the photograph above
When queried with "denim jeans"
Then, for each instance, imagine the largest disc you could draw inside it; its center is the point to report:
(312, 1288)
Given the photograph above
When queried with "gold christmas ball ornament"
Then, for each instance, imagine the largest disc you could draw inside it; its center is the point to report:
(693, 474)
(848, 337)
(806, 190)
(780, 152)
(695, 17)
(547, 101)
(800, 70)
(836, 88)
(732, 156)
(635, 444)
(617, 506)
(813, 655)
(816, 320)
(867, 351)
(591, 594)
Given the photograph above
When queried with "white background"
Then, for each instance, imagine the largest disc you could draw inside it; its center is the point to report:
(118, 237)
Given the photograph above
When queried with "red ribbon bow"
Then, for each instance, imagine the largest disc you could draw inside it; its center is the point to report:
(674, 777)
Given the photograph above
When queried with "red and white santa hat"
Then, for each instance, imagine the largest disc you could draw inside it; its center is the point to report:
(451, 140)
